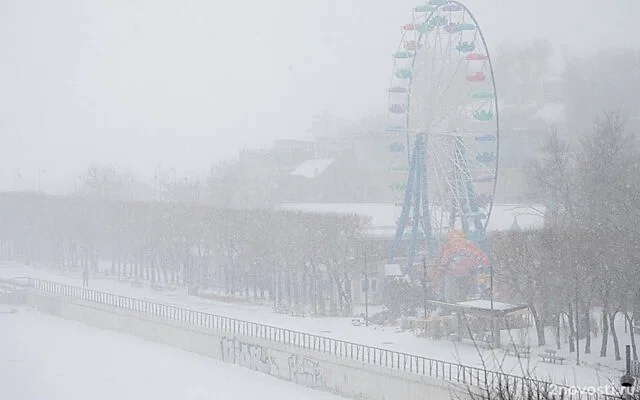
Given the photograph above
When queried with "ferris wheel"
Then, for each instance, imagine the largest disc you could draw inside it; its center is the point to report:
(443, 127)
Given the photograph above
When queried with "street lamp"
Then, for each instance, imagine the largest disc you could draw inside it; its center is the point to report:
(577, 324)
(366, 292)
(491, 286)
(424, 285)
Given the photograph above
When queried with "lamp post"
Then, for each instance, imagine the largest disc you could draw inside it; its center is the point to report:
(491, 286)
(577, 324)
(315, 289)
(424, 285)
(275, 287)
(494, 328)
(366, 291)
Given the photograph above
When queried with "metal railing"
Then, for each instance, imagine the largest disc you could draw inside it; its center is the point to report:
(368, 355)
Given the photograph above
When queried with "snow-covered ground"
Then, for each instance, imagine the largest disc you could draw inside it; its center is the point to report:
(594, 371)
(45, 357)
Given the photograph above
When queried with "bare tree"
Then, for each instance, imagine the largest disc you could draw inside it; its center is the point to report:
(107, 181)
(522, 272)
(553, 178)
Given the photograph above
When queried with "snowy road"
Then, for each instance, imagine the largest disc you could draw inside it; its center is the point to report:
(45, 357)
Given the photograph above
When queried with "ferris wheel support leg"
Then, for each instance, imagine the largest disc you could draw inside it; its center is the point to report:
(411, 251)
(426, 213)
(406, 207)
(470, 195)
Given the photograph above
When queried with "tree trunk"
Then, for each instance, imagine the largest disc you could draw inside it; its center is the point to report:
(343, 299)
(227, 280)
(333, 304)
(305, 285)
(294, 283)
(558, 318)
(632, 335)
(605, 334)
(587, 325)
(274, 285)
(279, 287)
(165, 273)
(616, 345)
(314, 293)
(572, 330)
(539, 326)
(247, 285)
(140, 268)
(289, 288)
(321, 296)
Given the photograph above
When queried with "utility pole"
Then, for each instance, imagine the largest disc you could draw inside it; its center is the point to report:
(366, 291)
(491, 286)
(577, 323)
(315, 289)
(424, 285)
(275, 287)
(315, 281)
(494, 330)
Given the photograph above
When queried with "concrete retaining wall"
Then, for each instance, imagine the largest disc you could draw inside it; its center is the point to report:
(309, 368)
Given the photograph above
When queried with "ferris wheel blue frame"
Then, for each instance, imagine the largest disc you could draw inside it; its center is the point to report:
(415, 205)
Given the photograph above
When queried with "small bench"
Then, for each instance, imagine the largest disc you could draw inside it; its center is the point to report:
(551, 356)
(518, 351)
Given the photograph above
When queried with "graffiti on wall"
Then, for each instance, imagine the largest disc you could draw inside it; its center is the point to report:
(304, 371)
(248, 355)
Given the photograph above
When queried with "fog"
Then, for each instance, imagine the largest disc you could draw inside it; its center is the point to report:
(143, 83)
(295, 188)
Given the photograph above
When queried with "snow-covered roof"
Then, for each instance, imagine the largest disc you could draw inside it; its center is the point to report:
(486, 305)
(384, 215)
(312, 168)
(381, 214)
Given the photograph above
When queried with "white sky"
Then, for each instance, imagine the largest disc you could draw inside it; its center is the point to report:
(145, 82)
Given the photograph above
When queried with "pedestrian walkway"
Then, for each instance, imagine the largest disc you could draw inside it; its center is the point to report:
(337, 328)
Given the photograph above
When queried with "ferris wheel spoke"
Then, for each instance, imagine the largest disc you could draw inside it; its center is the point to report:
(446, 168)
(458, 164)
(454, 76)
(446, 96)
(458, 111)
(443, 67)
(443, 96)
(436, 206)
